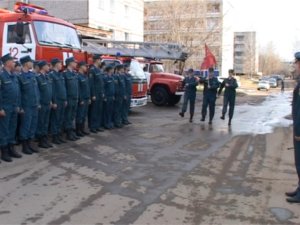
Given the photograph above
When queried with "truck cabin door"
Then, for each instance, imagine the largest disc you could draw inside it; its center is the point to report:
(10, 38)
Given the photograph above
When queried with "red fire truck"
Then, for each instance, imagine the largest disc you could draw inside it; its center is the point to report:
(29, 30)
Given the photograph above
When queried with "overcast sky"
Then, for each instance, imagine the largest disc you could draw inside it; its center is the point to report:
(276, 21)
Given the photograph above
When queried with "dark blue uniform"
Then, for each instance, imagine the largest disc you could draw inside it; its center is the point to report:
(96, 79)
(209, 97)
(45, 88)
(109, 92)
(229, 95)
(30, 101)
(120, 96)
(84, 98)
(296, 126)
(59, 97)
(127, 101)
(71, 80)
(190, 84)
(9, 102)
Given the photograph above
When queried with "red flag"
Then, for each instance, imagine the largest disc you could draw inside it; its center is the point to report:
(209, 60)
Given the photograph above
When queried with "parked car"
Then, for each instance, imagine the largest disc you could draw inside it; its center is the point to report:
(263, 84)
(273, 83)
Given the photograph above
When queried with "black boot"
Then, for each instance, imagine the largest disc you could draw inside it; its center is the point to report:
(293, 193)
(70, 137)
(191, 117)
(25, 148)
(223, 117)
(181, 114)
(229, 122)
(294, 199)
(82, 130)
(59, 136)
(12, 152)
(47, 142)
(78, 130)
(31, 148)
(55, 139)
(42, 143)
(202, 119)
(4, 154)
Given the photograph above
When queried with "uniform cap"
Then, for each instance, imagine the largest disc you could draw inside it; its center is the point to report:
(81, 63)
(41, 64)
(6, 57)
(211, 70)
(96, 56)
(190, 70)
(17, 64)
(297, 56)
(70, 60)
(25, 59)
(231, 71)
(54, 61)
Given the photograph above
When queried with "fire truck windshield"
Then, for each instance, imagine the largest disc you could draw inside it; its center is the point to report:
(56, 35)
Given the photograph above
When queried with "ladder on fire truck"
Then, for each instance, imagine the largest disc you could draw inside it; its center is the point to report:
(150, 50)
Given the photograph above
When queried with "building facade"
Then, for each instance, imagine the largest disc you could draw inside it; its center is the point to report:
(121, 20)
(245, 54)
(192, 23)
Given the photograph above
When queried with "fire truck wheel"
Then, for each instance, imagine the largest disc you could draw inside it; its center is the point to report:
(160, 96)
(174, 99)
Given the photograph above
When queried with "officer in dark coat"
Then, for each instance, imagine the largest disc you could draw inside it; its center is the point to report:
(30, 104)
(294, 197)
(211, 85)
(84, 99)
(120, 95)
(45, 88)
(71, 80)
(128, 93)
(109, 92)
(97, 95)
(9, 108)
(230, 85)
(59, 101)
(190, 83)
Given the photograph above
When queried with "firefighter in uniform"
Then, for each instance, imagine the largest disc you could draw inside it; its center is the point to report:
(120, 95)
(294, 196)
(84, 99)
(59, 101)
(45, 88)
(30, 104)
(128, 92)
(109, 92)
(97, 96)
(230, 85)
(9, 108)
(211, 85)
(190, 83)
(71, 80)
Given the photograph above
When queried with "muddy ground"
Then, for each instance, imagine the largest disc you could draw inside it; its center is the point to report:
(163, 170)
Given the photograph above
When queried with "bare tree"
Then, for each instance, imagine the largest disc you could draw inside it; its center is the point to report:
(269, 60)
(191, 23)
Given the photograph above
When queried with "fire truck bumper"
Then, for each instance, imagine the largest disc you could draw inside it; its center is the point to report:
(179, 93)
(137, 102)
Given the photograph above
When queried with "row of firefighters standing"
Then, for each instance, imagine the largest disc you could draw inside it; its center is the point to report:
(210, 92)
(32, 102)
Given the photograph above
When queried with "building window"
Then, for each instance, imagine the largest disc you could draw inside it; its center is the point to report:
(240, 38)
(212, 23)
(112, 5)
(126, 8)
(127, 38)
(213, 8)
(101, 4)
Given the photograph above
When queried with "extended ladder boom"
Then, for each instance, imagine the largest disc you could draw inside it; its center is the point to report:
(151, 50)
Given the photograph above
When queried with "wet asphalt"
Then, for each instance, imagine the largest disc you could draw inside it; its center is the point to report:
(115, 177)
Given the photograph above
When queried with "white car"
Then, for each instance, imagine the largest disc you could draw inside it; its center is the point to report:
(273, 83)
(263, 84)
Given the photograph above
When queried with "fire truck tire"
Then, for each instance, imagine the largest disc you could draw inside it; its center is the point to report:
(174, 99)
(160, 96)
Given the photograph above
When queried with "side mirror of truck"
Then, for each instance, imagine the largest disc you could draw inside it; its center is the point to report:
(20, 33)
(80, 38)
